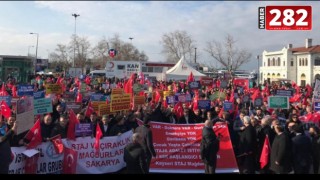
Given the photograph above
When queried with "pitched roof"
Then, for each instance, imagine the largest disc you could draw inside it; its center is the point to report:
(312, 49)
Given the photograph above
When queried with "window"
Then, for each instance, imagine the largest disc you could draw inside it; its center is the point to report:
(291, 63)
(144, 69)
(317, 61)
(264, 63)
(302, 61)
(158, 69)
(284, 63)
(306, 62)
(268, 61)
(273, 62)
(278, 63)
(120, 67)
(150, 69)
(299, 61)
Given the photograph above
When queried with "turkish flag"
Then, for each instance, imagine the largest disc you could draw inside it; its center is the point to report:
(79, 96)
(72, 125)
(5, 109)
(57, 144)
(69, 161)
(98, 136)
(190, 78)
(265, 154)
(178, 110)
(14, 92)
(34, 136)
(89, 110)
(3, 91)
(31, 164)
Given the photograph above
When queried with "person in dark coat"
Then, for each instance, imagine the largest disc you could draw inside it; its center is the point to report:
(280, 158)
(301, 151)
(186, 118)
(119, 128)
(147, 139)
(265, 130)
(61, 127)
(315, 139)
(135, 156)
(105, 125)
(5, 149)
(46, 128)
(209, 147)
(247, 147)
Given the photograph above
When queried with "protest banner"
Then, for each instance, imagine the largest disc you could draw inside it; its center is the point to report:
(120, 102)
(75, 106)
(104, 109)
(38, 95)
(25, 114)
(7, 99)
(206, 81)
(25, 90)
(96, 104)
(280, 92)
(204, 104)
(53, 89)
(42, 106)
(278, 102)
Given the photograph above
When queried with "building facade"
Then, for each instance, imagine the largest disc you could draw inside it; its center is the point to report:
(300, 64)
(18, 67)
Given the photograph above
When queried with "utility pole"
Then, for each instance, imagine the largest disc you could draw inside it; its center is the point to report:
(75, 35)
(195, 55)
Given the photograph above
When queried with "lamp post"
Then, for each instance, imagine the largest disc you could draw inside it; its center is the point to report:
(258, 70)
(29, 50)
(75, 34)
(131, 39)
(195, 55)
(36, 50)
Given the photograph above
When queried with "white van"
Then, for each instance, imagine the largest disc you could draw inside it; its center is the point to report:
(97, 73)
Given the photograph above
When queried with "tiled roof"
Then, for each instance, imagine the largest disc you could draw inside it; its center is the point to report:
(312, 49)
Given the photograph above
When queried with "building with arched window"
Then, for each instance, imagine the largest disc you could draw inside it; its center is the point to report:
(300, 64)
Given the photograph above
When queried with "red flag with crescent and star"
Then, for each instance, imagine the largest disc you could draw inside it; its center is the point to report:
(69, 161)
(34, 136)
(57, 144)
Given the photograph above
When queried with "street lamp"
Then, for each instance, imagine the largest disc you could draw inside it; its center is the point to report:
(258, 72)
(195, 55)
(75, 34)
(131, 39)
(36, 49)
(29, 50)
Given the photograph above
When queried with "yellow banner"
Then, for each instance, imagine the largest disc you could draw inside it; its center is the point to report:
(120, 102)
(53, 89)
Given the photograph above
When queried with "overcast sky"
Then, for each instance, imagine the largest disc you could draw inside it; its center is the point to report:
(146, 22)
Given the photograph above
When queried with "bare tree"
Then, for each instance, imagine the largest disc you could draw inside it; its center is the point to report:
(60, 57)
(125, 51)
(100, 53)
(176, 45)
(82, 50)
(228, 55)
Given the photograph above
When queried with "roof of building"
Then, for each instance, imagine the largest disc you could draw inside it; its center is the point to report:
(312, 49)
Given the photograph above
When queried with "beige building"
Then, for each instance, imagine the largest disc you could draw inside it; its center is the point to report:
(299, 64)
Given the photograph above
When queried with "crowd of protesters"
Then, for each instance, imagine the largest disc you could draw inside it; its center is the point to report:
(294, 142)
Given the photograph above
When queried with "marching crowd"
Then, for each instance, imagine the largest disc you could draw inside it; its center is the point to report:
(293, 133)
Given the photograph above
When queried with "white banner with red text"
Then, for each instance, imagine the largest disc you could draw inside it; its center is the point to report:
(88, 161)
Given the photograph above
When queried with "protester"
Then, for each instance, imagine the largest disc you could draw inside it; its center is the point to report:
(135, 156)
(5, 149)
(209, 148)
(147, 139)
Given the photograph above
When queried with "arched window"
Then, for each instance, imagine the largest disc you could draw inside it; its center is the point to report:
(302, 61)
(299, 61)
(268, 75)
(273, 75)
(273, 62)
(278, 75)
(306, 62)
(268, 61)
(278, 64)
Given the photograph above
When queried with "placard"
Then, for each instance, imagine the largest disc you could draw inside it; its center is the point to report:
(278, 102)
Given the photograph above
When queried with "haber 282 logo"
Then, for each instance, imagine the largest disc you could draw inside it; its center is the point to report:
(285, 17)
